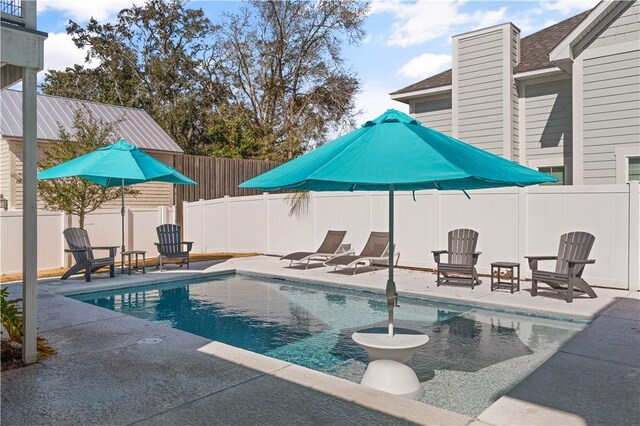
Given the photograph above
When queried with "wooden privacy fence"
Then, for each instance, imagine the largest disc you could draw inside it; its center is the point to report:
(216, 177)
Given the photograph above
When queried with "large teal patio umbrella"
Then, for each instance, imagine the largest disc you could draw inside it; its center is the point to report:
(395, 152)
(119, 164)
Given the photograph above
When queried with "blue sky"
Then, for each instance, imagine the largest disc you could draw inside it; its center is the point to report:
(405, 41)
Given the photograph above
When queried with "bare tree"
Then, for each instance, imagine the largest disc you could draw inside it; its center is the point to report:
(284, 65)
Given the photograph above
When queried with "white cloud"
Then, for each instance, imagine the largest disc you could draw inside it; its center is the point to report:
(488, 18)
(425, 65)
(424, 20)
(83, 10)
(374, 99)
(60, 52)
(569, 6)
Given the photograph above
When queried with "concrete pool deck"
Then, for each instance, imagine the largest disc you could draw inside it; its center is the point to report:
(115, 369)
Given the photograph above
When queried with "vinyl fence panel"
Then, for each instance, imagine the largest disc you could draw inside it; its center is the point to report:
(103, 226)
(247, 219)
(512, 223)
(295, 227)
(601, 210)
(49, 223)
(216, 224)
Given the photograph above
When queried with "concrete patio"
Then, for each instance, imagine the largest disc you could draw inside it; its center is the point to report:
(115, 369)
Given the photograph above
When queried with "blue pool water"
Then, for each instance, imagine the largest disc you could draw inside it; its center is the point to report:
(473, 357)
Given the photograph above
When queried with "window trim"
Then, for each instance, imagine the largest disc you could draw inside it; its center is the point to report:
(555, 161)
(622, 162)
(551, 161)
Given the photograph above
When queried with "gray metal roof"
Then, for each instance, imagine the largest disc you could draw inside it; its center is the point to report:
(137, 127)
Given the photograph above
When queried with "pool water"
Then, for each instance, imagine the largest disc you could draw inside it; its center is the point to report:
(474, 356)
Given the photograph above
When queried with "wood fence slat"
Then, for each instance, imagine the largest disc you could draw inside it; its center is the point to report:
(216, 177)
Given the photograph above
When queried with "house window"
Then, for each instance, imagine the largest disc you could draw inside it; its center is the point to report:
(555, 171)
(634, 168)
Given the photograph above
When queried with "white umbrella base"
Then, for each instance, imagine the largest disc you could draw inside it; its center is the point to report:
(388, 356)
(393, 377)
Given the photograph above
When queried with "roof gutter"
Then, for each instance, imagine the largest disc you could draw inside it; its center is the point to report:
(545, 72)
(407, 96)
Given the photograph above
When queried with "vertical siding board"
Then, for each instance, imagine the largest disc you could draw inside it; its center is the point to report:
(549, 123)
(611, 119)
(481, 88)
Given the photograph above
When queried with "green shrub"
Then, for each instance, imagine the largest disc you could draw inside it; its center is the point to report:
(10, 316)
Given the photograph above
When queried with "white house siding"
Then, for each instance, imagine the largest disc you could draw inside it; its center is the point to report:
(5, 173)
(625, 28)
(480, 89)
(611, 107)
(515, 127)
(151, 194)
(515, 118)
(434, 112)
(548, 123)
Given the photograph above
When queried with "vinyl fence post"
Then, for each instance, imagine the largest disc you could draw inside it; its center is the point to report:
(129, 229)
(66, 223)
(522, 227)
(265, 198)
(634, 236)
(313, 217)
(369, 212)
(228, 208)
(201, 207)
(438, 221)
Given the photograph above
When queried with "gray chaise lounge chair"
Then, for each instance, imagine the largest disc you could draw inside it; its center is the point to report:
(330, 247)
(573, 255)
(80, 246)
(461, 258)
(375, 250)
(170, 246)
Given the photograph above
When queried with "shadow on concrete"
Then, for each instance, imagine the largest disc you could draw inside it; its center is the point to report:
(595, 375)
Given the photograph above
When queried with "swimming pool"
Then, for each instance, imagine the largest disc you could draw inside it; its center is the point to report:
(473, 357)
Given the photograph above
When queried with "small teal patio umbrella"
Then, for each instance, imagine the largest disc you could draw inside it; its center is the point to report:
(119, 164)
(392, 153)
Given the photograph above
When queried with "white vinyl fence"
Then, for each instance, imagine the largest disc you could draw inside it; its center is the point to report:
(104, 227)
(512, 222)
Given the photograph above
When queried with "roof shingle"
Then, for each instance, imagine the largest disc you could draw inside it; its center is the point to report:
(534, 53)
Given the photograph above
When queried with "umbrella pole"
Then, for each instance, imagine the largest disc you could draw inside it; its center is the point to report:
(122, 226)
(391, 285)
